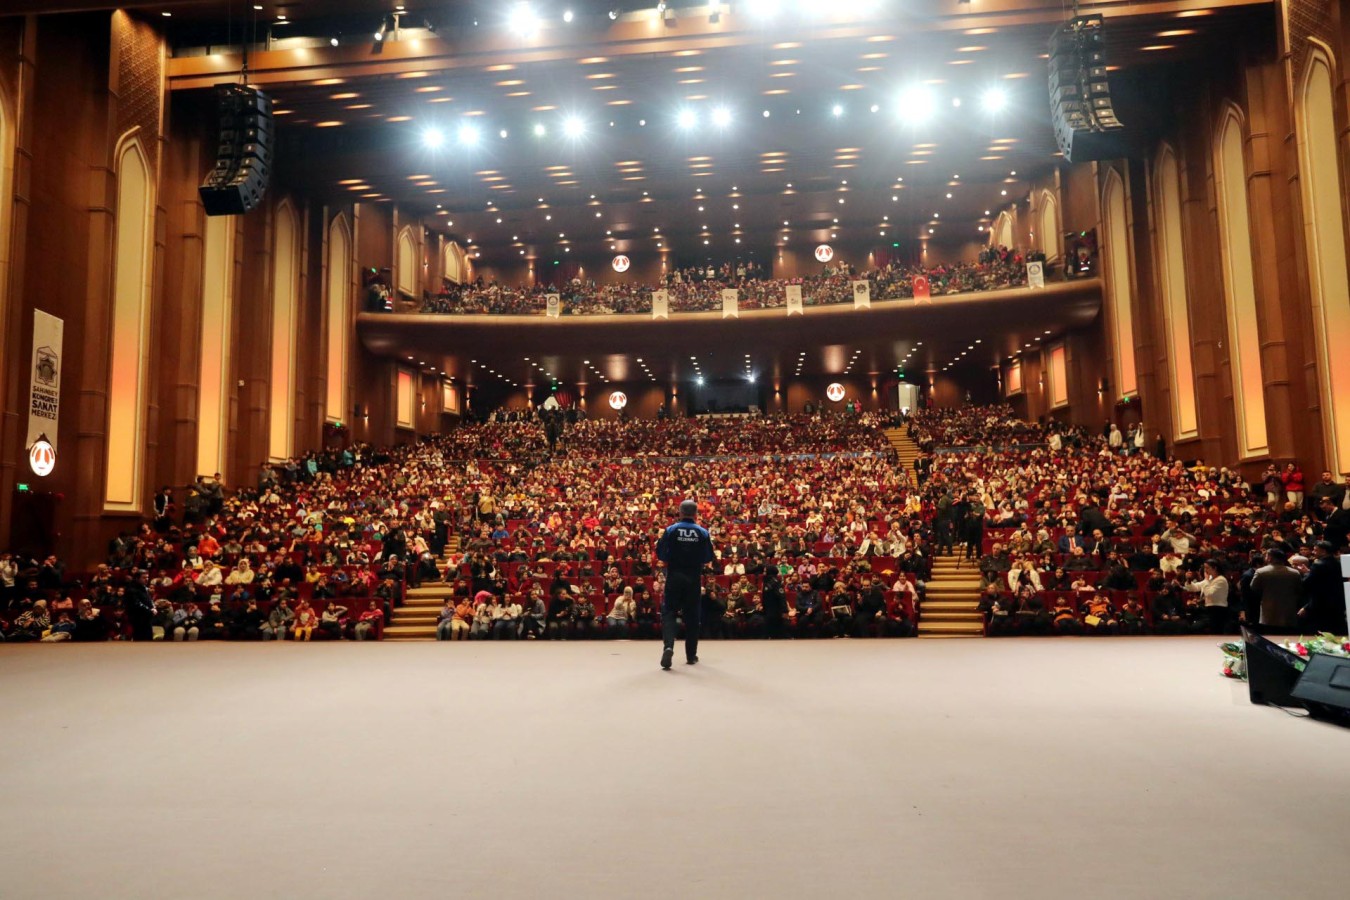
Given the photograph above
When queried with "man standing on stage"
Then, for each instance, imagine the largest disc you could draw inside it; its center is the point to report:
(685, 548)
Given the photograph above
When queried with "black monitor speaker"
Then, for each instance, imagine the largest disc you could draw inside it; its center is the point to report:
(238, 181)
(1324, 687)
(1086, 126)
(1272, 671)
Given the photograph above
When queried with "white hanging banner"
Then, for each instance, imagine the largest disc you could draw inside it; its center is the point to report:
(862, 295)
(44, 399)
(731, 303)
(794, 300)
(660, 305)
(554, 307)
(1036, 274)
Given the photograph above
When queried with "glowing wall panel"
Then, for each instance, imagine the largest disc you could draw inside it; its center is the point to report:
(1326, 245)
(338, 294)
(1176, 316)
(404, 394)
(1059, 377)
(130, 319)
(1240, 287)
(407, 264)
(213, 392)
(285, 315)
(1118, 277)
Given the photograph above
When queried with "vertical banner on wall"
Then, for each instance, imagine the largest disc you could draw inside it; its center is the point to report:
(862, 295)
(731, 303)
(660, 305)
(794, 300)
(922, 290)
(1036, 274)
(44, 400)
(554, 307)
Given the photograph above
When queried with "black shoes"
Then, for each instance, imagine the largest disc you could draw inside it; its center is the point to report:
(666, 656)
(691, 661)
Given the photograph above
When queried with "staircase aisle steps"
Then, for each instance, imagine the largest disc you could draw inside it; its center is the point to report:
(952, 595)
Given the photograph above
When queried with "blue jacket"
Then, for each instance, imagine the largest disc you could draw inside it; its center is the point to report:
(685, 547)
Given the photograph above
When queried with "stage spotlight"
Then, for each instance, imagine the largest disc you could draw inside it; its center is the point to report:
(613, 14)
(917, 105)
(384, 27)
(573, 127)
(539, 129)
(332, 42)
(686, 119)
(836, 110)
(433, 138)
(522, 20)
(721, 117)
(567, 15)
(468, 135)
(994, 100)
(764, 8)
(699, 380)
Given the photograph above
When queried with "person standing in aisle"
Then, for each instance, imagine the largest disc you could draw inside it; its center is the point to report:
(685, 548)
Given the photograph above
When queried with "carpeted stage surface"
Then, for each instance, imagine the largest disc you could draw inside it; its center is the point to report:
(1015, 768)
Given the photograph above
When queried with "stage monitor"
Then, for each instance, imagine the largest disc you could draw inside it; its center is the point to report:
(1324, 687)
(1272, 671)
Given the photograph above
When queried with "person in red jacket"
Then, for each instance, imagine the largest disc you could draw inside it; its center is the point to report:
(369, 624)
(1292, 478)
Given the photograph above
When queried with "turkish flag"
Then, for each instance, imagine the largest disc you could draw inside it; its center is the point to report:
(921, 291)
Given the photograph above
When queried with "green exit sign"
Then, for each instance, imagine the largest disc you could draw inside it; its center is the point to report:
(21, 488)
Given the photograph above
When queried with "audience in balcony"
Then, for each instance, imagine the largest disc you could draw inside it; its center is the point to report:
(701, 290)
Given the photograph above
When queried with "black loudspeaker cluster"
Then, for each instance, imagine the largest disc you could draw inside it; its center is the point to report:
(1086, 126)
(244, 155)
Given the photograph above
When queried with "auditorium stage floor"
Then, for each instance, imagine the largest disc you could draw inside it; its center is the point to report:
(1017, 768)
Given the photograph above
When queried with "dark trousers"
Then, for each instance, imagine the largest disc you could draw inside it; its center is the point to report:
(1218, 619)
(683, 597)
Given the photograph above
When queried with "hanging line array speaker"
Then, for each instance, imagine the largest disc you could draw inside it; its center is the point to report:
(1085, 122)
(244, 153)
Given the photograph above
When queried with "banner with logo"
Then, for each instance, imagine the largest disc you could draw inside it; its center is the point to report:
(731, 303)
(554, 308)
(660, 305)
(922, 292)
(44, 399)
(1036, 274)
(794, 300)
(862, 295)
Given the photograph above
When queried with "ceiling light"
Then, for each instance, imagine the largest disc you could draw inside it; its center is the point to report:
(539, 130)
(573, 127)
(686, 118)
(522, 20)
(721, 117)
(917, 105)
(433, 138)
(994, 100)
(836, 110)
(468, 134)
(567, 15)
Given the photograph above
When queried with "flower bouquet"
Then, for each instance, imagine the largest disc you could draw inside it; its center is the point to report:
(1235, 655)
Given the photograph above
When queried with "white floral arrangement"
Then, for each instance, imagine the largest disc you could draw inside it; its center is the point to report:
(1235, 655)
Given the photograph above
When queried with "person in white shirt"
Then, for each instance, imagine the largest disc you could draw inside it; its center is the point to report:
(209, 576)
(734, 568)
(506, 620)
(620, 617)
(241, 574)
(1213, 588)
